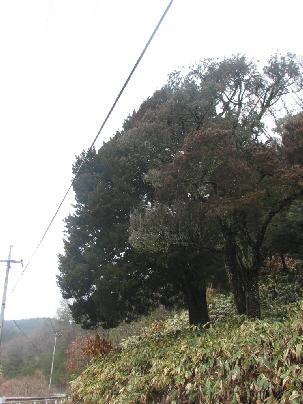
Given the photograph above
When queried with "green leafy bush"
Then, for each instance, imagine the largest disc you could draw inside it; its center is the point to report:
(234, 361)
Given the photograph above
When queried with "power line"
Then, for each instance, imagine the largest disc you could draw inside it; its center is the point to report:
(54, 329)
(37, 349)
(95, 139)
(52, 326)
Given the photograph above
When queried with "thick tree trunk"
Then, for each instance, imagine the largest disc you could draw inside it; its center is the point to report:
(253, 308)
(235, 276)
(195, 295)
(197, 306)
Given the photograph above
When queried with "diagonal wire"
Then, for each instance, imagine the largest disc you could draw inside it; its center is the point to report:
(95, 139)
(52, 325)
(37, 349)
(54, 329)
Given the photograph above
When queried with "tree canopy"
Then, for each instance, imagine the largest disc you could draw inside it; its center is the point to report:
(188, 194)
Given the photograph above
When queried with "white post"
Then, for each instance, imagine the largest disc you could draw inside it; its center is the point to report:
(52, 367)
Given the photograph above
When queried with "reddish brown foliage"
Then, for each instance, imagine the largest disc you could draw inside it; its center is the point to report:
(83, 349)
(275, 264)
(95, 346)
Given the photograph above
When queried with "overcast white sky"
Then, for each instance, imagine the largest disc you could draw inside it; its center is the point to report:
(62, 63)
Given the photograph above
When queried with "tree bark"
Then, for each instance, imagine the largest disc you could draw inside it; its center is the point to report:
(235, 276)
(195, 295)
(253, 308)
(197, 306)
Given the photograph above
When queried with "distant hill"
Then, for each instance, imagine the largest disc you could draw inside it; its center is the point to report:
(10, 329)
(26, 354)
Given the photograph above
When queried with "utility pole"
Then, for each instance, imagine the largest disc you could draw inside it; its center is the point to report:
(9, 261)
(56, 334)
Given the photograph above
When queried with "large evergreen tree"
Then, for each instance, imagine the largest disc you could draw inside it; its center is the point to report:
(196, 143)
(107, 279)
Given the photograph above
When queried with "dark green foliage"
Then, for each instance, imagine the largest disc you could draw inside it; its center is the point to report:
(196, 182)
(286, 233)
(280, 287)
(111, 185)
(192, 169)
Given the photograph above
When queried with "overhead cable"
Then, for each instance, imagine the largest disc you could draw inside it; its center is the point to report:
(37, 349)
(94, 141)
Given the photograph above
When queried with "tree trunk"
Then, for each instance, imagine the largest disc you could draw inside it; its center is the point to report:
(195, 295)
(253, 308)
(284, 265)
(197, 306)
(235, 276)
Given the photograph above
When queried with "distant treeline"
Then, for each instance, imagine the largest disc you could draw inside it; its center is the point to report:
(27, 352)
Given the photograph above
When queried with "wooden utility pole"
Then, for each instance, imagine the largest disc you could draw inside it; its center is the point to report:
(9, 261)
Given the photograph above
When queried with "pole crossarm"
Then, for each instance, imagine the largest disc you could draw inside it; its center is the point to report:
(13, 261)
